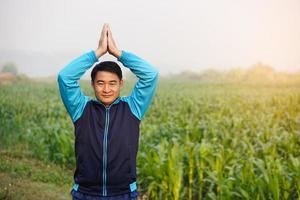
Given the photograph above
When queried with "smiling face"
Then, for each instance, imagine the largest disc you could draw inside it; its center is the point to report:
(107, 86)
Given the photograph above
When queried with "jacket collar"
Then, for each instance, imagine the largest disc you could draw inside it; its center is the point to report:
(114, 102)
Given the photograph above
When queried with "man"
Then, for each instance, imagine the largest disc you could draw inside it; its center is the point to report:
(106, 128)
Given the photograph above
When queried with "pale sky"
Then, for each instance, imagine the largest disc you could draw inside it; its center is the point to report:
(42, 36)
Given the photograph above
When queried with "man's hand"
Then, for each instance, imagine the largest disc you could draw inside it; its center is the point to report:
(102, 46)
(112, 47)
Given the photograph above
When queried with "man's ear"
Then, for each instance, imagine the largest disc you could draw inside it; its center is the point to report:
(121, 83)
(92, 84)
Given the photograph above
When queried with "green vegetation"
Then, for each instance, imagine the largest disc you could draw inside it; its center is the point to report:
(198, 140)
(10, 68)
(222, 142)
(22, 177)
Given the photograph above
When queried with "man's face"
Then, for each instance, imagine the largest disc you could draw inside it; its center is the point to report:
(107, 86)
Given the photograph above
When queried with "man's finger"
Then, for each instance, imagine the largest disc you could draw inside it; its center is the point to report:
(104, 29)
(109, 31)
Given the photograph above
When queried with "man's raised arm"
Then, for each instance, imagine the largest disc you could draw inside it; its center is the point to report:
(71, 94)
(143, 92)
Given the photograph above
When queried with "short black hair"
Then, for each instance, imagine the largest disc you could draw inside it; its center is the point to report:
(108, 66)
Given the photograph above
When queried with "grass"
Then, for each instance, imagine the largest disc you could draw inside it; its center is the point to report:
(23, 177)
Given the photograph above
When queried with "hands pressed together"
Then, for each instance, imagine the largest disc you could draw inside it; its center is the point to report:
(107, 43)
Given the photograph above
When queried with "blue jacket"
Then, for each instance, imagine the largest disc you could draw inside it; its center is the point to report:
(106, 138)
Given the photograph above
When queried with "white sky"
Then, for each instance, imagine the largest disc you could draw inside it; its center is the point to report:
(42, 36)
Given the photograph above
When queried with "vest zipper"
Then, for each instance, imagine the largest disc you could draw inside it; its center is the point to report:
(105, 150)
(104, 191)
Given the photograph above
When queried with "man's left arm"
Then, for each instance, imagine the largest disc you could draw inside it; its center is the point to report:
(143, 91)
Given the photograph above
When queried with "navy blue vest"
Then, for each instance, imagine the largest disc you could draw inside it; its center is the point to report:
(106, 145)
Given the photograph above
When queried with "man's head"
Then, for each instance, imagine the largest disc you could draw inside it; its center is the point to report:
(107, 81)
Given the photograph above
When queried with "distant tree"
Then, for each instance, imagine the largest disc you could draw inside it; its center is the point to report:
(189, 75)
(10, 68)
(261, 73)
(211, 75)
(235, 75)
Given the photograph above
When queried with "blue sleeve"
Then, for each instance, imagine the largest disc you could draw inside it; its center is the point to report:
(143, 91)
(70, 92)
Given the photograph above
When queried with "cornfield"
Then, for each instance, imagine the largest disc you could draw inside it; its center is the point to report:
(197, 140)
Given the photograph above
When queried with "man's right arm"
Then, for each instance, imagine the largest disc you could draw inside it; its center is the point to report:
(71, 94)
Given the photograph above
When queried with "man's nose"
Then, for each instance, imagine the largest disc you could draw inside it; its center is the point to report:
(106, 88)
